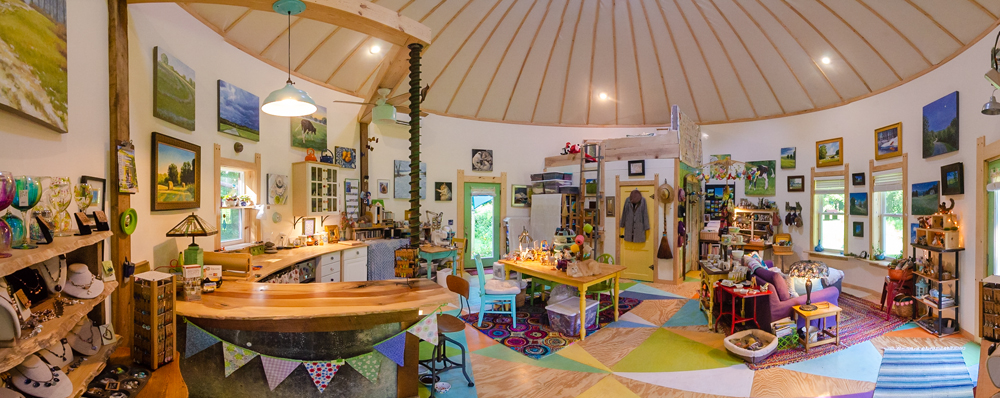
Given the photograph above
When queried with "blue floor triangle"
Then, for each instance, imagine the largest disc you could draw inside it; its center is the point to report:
(645, 296)
(688, 315)
(646, 289)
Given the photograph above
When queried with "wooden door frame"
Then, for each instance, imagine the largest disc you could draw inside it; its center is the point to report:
(252, 181)
(655, 228)
(985, 153)
(460, 181)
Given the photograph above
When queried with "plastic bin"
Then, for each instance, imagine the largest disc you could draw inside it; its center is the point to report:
(564, 316)
(754, 357)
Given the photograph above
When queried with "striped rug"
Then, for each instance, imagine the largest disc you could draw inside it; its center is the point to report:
(917, 373)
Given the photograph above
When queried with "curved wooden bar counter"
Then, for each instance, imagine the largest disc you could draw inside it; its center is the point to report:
(315, 321)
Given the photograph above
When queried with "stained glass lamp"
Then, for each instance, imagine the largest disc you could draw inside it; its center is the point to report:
(193, 226)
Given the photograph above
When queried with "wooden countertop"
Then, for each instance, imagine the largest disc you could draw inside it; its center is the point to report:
(272, 263)
(269, 301)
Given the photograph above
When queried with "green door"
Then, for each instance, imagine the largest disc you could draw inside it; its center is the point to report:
(482, 222)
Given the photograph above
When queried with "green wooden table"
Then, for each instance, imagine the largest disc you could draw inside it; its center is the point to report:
(430, 253)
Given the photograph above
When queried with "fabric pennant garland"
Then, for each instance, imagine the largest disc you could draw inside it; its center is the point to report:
(235, 357)
(393, 348)
(367, 364)
(277, 370)
(426, 329)
(322, 372)
(197, 340)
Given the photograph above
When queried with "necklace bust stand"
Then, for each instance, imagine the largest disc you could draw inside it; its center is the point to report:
(85, 337)
(16, 306)
(53, 273)
(80, 283)
(8, 393)
(60, 354)
(10, 325)
(37, 378)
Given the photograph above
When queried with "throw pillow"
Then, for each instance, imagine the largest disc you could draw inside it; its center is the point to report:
(800, 285)
(780, 287)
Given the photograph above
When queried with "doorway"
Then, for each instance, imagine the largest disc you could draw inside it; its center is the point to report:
(638, 258)
(482, 222)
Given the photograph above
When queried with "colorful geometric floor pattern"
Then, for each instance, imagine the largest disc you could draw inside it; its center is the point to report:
(663, 348)
(534, 336)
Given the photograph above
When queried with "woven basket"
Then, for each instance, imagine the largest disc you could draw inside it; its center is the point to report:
(753, 357)
(903, 307)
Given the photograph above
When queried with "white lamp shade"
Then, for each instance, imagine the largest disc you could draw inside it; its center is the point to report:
(289, 101)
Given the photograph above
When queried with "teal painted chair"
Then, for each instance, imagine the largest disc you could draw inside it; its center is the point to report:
(606, 287)
(492, 295)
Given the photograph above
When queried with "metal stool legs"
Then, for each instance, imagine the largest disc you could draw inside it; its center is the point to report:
(439, 354)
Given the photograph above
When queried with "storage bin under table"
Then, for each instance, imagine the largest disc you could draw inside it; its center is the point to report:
(564, 316)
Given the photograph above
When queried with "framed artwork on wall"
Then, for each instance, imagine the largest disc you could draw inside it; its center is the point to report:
(308, 226)
(443, 192)
(636, 168)
(830, 152)
(520, 196)
(176, 167)
(858, 179)
(940, 132)
(717, 169)
(482, 160)
(761, 178)
(859, 203)
(239, 112)
(277, 189)
(173, 90)
(609, 206)
(788, 158)
(35, 61)
(345, 157)
(859, 229)
(953, 179)
(309, 131)
(913, 232)
(924, 198)
(889, 141)
(383, 189)
(796, 183)
(96, 190)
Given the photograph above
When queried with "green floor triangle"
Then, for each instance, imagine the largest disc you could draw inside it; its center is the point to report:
(427, 350)
(689, 315)
(665, 351)
(553, 361)
(625, 285)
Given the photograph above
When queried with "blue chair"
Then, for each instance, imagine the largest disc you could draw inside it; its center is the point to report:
(493, 296)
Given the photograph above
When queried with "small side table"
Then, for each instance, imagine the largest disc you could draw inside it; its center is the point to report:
(431, 253)
(707, 293)
(822, 314)
(733, 295)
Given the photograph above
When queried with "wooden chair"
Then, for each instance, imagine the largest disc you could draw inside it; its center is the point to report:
(459, 268)
(606, 287)
(495, 298)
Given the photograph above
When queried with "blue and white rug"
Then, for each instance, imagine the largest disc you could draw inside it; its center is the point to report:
(917, 373)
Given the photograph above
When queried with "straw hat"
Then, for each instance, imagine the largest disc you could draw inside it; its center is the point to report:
(665, 193)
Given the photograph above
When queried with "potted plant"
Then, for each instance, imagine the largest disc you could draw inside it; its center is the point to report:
(231, 201)
(879, 255)
(245, 200)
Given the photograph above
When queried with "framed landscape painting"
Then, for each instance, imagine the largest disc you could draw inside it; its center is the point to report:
(953, 179)
(830, 152)
(176, 170)
(924, 197)
(889, 141)
(788, 158)
(239, 112)
(940, 132)
(173, 90)
(33, 39)
(859, 203)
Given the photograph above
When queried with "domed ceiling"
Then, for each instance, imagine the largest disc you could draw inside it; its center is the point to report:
(624, 62)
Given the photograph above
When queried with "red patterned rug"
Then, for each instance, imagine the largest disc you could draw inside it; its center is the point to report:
(860, 321)
(533, 337)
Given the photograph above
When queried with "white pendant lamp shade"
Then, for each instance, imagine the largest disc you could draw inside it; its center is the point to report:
(289, 101)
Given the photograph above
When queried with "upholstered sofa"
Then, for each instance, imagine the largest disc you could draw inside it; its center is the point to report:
(779, 303)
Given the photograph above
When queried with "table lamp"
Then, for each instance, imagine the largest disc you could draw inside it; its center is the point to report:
(810, 273)
(193, 226)
(524, 239)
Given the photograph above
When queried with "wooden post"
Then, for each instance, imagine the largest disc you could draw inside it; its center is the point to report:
(363, 167)
(121, 244)
(415, 99)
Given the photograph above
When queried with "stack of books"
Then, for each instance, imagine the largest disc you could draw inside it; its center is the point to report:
(783, 327)
(946, 301)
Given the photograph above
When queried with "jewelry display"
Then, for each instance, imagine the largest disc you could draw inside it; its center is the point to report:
(86, 286)
(85, 338)
(54, 280)
(81, 283)
(58, 197)
(37, 378)
(58, 356)
(34, 288)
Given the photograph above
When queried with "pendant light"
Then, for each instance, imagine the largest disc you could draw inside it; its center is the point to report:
(289, 101)
(992, 108)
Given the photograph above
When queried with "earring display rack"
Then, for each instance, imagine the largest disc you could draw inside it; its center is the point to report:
(154, 342)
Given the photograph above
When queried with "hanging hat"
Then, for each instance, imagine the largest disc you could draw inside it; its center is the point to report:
(665, 193)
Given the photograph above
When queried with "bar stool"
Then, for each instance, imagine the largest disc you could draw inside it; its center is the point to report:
(448, 323)
(893, 286)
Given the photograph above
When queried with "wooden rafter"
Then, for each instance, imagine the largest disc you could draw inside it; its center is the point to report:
(572, 46)
(236, 21)
(935, 22)
(635, 55)
(862, 37)
(708, 65)
(829, 43)
(656, 52)
(318, 46)
(531, 47)
(507, 49)
(677, 54)
(283, 32)
(344, 62)
(756, 65)
(464, 41)
(739, 78)
(478, 53)
(593, 48)
(894, 29)
(983, 9)
(545, 73)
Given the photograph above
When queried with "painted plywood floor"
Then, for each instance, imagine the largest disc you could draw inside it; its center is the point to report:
(663, 348)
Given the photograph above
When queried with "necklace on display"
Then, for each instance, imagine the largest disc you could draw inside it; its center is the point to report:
(91, 338)
(86, 288)
(17, 308)
(64, 350)
(37, 288)
(36, 383)
(55, 280)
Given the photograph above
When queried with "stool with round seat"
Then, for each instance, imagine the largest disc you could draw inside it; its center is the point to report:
(448, 323)
(895, 284)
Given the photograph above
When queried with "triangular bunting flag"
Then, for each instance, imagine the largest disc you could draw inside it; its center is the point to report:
(322, 372)
(394, 348)
(426, 329)
(235, 357)
(367, 364)
(197, 340)
(277, 369)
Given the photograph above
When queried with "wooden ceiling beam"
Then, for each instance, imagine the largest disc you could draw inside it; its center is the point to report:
(236, 21)
(736, 70)
(389, 75)
(531, 47)
(357, 15)
(894, 29)
(545, 73)
(754, 60)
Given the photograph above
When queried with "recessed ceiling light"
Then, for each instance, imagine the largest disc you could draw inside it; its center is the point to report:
(826, 60)
(375, 49)
(704, 135)
(602, 96)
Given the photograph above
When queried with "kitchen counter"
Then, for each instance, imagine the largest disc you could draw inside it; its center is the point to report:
(272, 263)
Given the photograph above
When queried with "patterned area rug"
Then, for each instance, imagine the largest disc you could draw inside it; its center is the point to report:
(860, 321)
(533, 337)
(930, 373)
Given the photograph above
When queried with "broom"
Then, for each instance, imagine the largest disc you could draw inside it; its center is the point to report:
(664, 252)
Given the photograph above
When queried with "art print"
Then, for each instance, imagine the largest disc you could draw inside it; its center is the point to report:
(482, 160)
(173, 90)
(34, 62)
(175, 174)
(239, 112)
(309, 131)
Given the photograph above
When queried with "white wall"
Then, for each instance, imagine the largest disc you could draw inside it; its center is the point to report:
(856, 122)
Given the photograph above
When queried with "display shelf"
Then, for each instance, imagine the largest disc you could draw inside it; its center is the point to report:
(935, 280)
(936, 249)
(60, 245)
(91, 367)
(928, 323)
(52, 331)
(934, 305)
(940, 285)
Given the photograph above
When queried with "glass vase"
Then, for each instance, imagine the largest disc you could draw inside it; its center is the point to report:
(17, 231)
(58, 197)
(28, 191)
(6, 198)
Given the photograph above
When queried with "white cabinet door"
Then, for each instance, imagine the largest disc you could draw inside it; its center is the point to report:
(356, 269)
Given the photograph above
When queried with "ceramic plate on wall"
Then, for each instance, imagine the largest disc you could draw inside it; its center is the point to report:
(276, 217)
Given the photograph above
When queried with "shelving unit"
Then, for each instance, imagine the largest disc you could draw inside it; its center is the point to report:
(314, 189)
(570, 212)
(943, 232)
(931, 323)
(757, 223)
(23, 258)
(592, 214)
(90, 368)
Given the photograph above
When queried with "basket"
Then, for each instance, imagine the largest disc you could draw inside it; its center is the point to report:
(714, 236)
(788, 341)
(903, 306)
(900, 274)
(754, 357)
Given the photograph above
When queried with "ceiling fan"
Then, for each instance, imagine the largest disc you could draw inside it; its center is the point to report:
(383, 111)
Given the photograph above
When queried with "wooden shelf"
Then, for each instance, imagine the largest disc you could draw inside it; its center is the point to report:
(936, 249)
(24, 258)
(934, 305)
(935, 279)
(931, 329)
(52, 331)
(91, 367)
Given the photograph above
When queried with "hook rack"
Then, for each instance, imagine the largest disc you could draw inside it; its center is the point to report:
(797, 207)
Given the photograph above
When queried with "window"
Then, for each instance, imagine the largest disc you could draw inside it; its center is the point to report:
(994, 231)
(830, 223)
(888, 229)
(232, 185)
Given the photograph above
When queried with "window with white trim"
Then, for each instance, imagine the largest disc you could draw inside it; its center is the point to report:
(828, 214)
(888, 222)
(232, 228)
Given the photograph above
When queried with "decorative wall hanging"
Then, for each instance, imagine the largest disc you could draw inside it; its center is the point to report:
(796, 183)
(96, 190)
(239, 112)
(383, 189)
(401, 179)
(443, 192)
(924, 198)
(520, 196)
(128, 181)
(309, 131)
(609, 206)
(953, 179)
(830, 152)
(352, 197)
(940, 132)
(717, 168)
(859, 229)
(889, 141)
(636, 168)
(173, 90)
(346, 157)
(277, 189)
(788, 158)
(35, 62)
(176, 171)
(859, 203)
(858, 179)
(309, 226)
(482, 160)
(761, 178)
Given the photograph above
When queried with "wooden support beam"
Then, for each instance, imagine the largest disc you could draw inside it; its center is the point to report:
(363, 165)
(121, 244)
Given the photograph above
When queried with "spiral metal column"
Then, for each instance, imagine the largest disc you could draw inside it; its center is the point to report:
(414, 218)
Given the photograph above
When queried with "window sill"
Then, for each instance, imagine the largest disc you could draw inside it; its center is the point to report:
(827, 255)
(843, 257)
(237, 246)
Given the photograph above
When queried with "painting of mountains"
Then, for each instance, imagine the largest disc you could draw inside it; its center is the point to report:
(33, 58)
(941, 126)
(239, 112)
(173, 90)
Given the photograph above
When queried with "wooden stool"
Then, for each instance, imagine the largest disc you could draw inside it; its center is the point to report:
(889, 290)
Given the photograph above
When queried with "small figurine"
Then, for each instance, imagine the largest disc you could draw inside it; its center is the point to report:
(946, 209)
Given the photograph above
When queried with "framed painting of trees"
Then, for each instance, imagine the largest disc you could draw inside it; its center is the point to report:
(176, 168)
